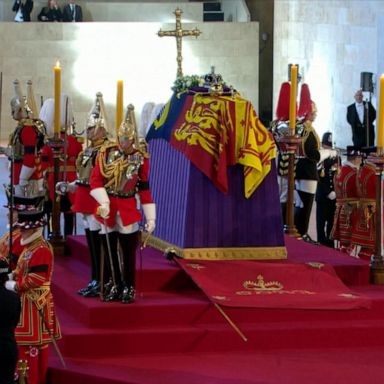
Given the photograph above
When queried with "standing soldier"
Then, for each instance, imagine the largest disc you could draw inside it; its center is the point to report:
(67, 164)
(84, 203)
(118, 181)
(325, 194)
(364, 225)
(38, 326)
(306, 176)
(26, 143)
(347, 199)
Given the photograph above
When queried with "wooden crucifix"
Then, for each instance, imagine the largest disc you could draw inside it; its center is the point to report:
(179, 33)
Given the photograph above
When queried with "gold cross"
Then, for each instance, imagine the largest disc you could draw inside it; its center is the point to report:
(179, 33)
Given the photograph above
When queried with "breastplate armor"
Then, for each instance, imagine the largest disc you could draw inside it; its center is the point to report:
(85, 164)
(126, 173)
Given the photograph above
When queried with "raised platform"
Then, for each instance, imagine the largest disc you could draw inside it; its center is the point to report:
(173, 334)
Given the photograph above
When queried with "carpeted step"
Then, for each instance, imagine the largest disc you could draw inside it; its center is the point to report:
(288, 366)
(220, 337)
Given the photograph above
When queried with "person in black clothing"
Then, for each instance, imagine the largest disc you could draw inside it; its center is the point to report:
(10, 314)
(306, 175)
(360, 116)
(326, 195)
(51, 12)
(23, 9)
(72, 12)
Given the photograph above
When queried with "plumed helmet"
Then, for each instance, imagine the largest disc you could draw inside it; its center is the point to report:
(18, 102)
(282, 109)
(97, 115)
(31, 102)
(307, 106)
(145, 118)
(128, 128)
(47, 115)
(66, 112)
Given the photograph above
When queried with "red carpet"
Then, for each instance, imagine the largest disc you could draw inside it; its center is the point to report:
(172, 334)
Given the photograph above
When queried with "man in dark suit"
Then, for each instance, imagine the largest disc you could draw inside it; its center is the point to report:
(361, 115)
(72, 12)
(23, 9)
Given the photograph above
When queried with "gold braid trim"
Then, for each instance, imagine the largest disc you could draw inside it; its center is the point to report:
(306, 132)
(112, 172)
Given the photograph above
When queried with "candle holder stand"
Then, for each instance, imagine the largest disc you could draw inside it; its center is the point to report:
(377, 264)
(55, 238)
(290, 145)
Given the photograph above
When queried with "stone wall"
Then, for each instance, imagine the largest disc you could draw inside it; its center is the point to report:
(333, 42)
(93, 56)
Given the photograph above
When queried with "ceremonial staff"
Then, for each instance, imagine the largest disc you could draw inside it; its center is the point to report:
(57, 349)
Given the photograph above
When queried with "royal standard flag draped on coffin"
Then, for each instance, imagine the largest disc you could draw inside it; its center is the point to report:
(215, 132)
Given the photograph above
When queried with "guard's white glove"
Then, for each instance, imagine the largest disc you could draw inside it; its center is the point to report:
(150, 217)
(101, 196)
(297, 200)
(331, 195)
(103, 210)
(10, 285)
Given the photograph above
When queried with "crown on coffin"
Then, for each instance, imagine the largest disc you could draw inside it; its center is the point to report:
(261, 285)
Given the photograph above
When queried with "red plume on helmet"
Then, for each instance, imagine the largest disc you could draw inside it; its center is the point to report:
(282, 109)
(306, 104)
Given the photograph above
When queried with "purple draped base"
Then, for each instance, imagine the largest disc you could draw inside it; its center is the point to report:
(193, 213)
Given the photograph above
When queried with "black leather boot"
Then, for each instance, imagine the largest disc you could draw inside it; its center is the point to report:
(94, 290)
(114, 294)
(128, 295)
(128, 244)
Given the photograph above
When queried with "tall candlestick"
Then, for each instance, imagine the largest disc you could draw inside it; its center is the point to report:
(57, 99)
(119, 104)
(292, 100)
(380, 122)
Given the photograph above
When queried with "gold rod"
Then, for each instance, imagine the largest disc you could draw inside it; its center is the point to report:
(233, 325)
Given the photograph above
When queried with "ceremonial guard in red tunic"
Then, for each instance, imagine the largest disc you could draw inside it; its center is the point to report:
(38, 325)
(118, 182)
(67, 164)
(25, 143)
(347, 199)
(279, 128)
(83, 202)
(364, 225)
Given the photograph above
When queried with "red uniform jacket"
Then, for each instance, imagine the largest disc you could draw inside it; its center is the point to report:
(33, 276)
(363, 230)
(72, 150)
(346, 203)
(123, 198)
